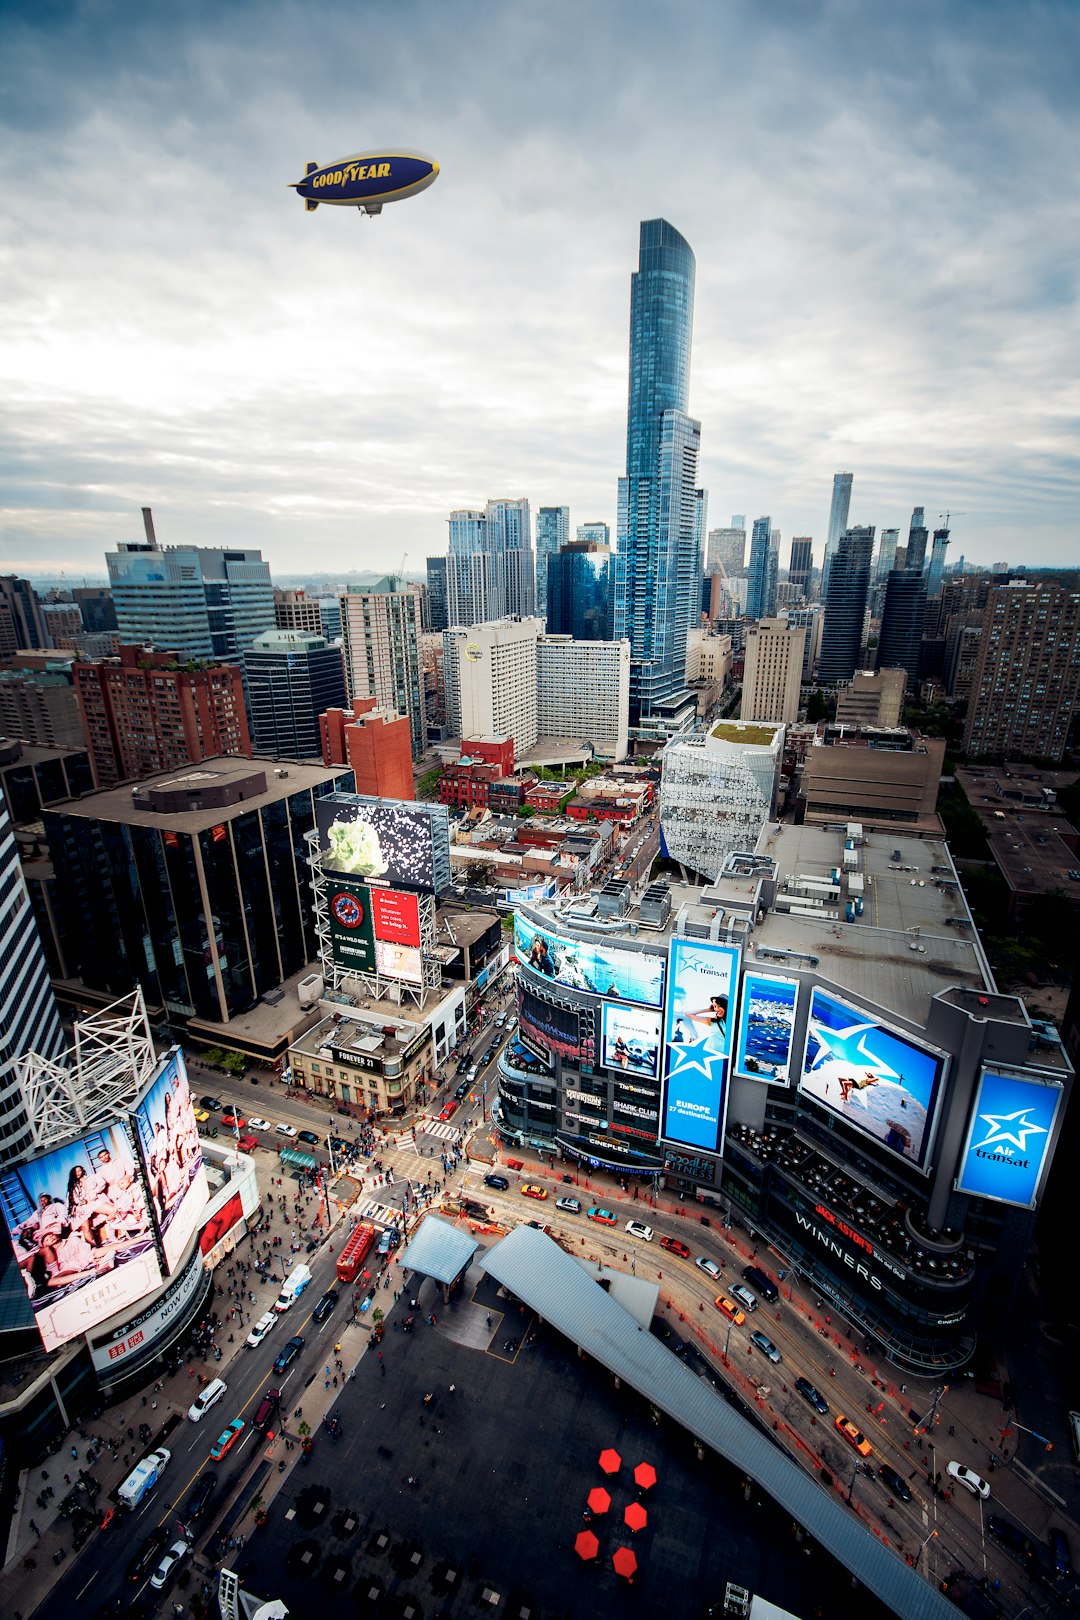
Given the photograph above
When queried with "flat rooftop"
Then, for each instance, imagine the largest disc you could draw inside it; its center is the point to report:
(117, 804)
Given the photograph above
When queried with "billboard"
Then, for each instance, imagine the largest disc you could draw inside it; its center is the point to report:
(1007, 1141)
(871, 1076)
(766, 1027)
(398, 962)
(352, 937)
(395, 917)
(81, 1231)
(600, 969)
(630, 1039)
(222, 1231)
(703, 981)
(168, 1140)
(552, 1029)
(395, 844)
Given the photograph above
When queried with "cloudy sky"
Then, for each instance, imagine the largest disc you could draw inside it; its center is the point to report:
(882, 201)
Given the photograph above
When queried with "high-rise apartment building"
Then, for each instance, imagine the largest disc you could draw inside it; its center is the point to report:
(593, 534)
(902, 618)
(552, 533)
(21, 623)
(96, 606)
(474, 592)
(330, 614)
(63, 623)
(204, 603)
(845, 605)
(838, 522)
(772, 673)
(490, 674)
(916, 542)
(376, 745)
(761, 573)
(726, 550)
(380, 633)
(293, 610)
(579, 589)
(438, 601)
(658, 569)
(510, 539)
(29, 1021)
(583, 690)
(40, 708)
(142, 712)
(506, 582)
(873, 697)
(800, 564)
(811, 619)
(292, 677)
(1025, 691)
(888, 541)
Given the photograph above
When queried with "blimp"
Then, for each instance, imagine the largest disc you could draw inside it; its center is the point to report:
(366, 180)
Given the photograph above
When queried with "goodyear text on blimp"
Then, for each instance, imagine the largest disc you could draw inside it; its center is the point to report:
(355, 171)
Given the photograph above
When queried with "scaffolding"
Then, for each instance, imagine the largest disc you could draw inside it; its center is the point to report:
(114, 1057)
(712, 805)
(350, 981)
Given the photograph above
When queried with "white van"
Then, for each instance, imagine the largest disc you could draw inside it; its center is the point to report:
(293, 1287)
(206, 1398)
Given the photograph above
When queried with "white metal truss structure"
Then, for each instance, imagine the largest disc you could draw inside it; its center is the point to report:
(236, 1604)
(711, 805)
(348, 980)
(114, 1057)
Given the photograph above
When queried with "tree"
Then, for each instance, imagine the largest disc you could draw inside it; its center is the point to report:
(818, 706)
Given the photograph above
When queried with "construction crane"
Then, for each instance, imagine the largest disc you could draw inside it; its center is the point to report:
(948, 515)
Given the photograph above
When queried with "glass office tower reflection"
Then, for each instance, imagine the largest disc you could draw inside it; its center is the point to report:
(579, 592)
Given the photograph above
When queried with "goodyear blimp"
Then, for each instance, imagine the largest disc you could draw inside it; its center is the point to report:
(366, 180)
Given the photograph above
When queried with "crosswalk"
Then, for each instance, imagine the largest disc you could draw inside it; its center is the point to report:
(371, 1210)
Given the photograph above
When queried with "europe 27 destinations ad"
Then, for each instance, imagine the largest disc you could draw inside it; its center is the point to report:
(697, 1040)
(1011, 1128)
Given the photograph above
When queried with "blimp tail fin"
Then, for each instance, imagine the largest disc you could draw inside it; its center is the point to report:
(310, 204)
(309, 168)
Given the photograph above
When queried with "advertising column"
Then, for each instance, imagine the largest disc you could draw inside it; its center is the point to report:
(702, 990)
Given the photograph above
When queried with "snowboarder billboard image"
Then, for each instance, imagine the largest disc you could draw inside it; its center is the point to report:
(872, 1077)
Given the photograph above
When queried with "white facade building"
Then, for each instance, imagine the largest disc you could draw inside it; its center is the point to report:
(717, 790)
(583, 690)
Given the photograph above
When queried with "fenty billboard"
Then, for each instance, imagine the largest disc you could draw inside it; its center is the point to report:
(1011, 1127)
(872, 1077)
(385, 841)
(702, 986)
(602, 970)
(766, 1027)
(82, 1234)
(168, 1139)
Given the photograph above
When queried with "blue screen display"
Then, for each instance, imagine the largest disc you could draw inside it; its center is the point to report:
(1010, 1132)
(766, 1027)
(702, 986)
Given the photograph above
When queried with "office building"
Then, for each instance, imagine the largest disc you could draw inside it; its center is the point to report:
(63, 623)
(838, 522)
(658, 571)
(583, 690)
(761, 573)
(330, 614)
(810, 618)
(96, 606)
(772, 672)
(490, 674)
(936, 572)
(474, 594)
(294, 610)
(40, 707)
(204, 603)
(918, 533)
(142, 712)
(375, 744)
(292, 677)
(195, 886)
(1025, 689)
(873, 699)
(902, 618)
(593, 534)
(32, 777)
(886, 555)
(580, 580)
(510, 541)
(726, 550)
(380, 634)
(438, 601)
(21, 624)
(845, 606)
(29, 1021)
(878, 776)
(800, 565)
(718, 788)
(552, 534)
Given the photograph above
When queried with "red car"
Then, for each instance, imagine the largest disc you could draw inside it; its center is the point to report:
(530, 1190)
(603, 1216)
(237, 1121)
(248, 1143)
(673, 1246)
(448, 1110)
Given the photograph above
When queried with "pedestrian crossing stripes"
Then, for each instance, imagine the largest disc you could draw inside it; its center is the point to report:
(438, 1127)
(385, 1214)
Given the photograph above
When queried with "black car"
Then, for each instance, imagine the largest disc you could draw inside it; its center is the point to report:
(199, 1500)
(289, 1352)
(1011, 1537)
(810, 1393)
(762, 1282)
(148, 1555)
(312, 1138)
(500, 1183)
(325, 1306)
(892, 1482)
(339, 1144)
(460, 1091)
(213, 1105)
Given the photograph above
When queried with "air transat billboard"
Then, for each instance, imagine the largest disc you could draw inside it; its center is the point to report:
(1011, 1128)
(702, 988)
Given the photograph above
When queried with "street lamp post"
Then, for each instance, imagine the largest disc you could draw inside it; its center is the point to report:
(922, 1549)
(851, 1482)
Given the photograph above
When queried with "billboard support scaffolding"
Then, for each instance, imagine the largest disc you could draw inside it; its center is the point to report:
(114, 1057)
(374, 983)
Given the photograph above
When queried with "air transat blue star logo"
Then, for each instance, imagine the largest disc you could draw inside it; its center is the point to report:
(850, 1045)
(1006, 1140)
(696, 1057)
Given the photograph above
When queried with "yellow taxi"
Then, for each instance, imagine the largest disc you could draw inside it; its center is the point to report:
(727, 1307)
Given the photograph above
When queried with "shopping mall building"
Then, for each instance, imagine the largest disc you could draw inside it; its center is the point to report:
(813, 1044)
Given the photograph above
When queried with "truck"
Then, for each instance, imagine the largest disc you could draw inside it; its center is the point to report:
(292, 1288)
(143, 1477)
(355, 1252)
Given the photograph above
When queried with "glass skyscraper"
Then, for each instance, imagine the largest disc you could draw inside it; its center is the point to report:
(758, 572)
(579, 592)
(845, 606)
(552, 533)
(661, 512)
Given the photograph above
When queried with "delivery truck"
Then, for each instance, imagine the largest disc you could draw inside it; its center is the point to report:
(292, 1288)
(143, 1477)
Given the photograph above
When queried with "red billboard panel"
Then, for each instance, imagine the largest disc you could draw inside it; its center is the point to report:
(395, 917)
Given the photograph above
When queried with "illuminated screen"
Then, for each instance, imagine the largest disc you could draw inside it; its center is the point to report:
(871, 1077)
(602, 970)
(222, 1231)
(168, 1139)
(702, 985)
(553, 1029)
(81, 1232)
(390, 842)
(630, 1040)
(766, 1027)
(398, 962)
(1008, 1138)
(395, 917)
(352, 938)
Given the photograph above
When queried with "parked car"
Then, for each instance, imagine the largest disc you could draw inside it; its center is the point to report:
(893, 1482)
(969, 1479)
(201, 1116)
(248, 1143)
(1059, 1551)
(744, 1296)
(811, 1393)
(762, 1342)
(258, 1124)
(147, 1555)
(234, 1121)
(389, 1241)
(500, 1183)
(199, 1500)
(762, 1282)
(289, 1352)
(214, 1104)
(853, 1435)
(283, 1128)
(1011, 1536)
(325, 1306)
(727, 1307)
(603, 1217)
(709, 1267)
(569, 1206)
(172, 1559)
(639, 1229)
(266, 1410)
(673, 1246)
(227, 1439)
(312, 1138)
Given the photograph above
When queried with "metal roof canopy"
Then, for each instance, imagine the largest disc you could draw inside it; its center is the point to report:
(303, 1161)
(551, 1283)
(439, 1250)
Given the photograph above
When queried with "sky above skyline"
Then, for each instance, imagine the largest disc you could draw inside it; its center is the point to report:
(882, 204)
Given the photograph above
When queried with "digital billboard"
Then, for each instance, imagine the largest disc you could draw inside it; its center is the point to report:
(630, 1039)
(395, 917)
(352, 938)
(394, 844)
(222, 1232)
(398, 962)
(766, 1027)
(601, 969)
(702, 986)
(81, 1231)
(1011, 1126)
(168, 1140)
(871, 1076)
(552, 1029)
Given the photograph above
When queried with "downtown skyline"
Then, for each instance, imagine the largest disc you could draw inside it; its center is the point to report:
(884, 251)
